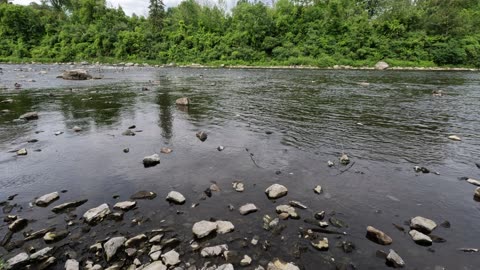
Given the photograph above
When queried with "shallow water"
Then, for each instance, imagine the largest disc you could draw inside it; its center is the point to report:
(313, 116)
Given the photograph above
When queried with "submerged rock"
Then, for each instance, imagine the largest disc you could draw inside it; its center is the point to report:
(422, 224)
(203, 228)
(112, 245)
(175, 197)
(76, 74)
(150, 161)
(378, 236)
(213, 251)
(68, 205)
(166, 150)
(140, 195)
(247, 209)
(29, 116)
(46, 199)
(184, 101)
(202, 136)
(395, 259)
(276, 191)
(96, 214)
(420, 238)
(125, 206)
(419, 169)
(297, 204)
(321, 244)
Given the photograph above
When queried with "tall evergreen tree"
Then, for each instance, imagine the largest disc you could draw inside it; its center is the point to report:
(156, 13)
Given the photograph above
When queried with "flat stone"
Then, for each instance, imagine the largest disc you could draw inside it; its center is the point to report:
(156, 239)
(175, 197)
(297, 204)
(203, 228)
(276, 191)
(422, 224)
(112, 245)
(72, 264)
(125, 206)
(18, 225)
(171, 258)
(247, 209)
(29, 116)
(473, 182)
(454, 138)
(290, 211)
(68, 205)
(143, 195)
(17, 261)
(22, 152)
(378, 236)
(280, 265)
(321, 244)
(150, 161)
(184, 101)
(136, 241)
(96, 214)
(157, 265)
(224, 227)
(155, 252)
(246, 260)
(41, 254)
(395, 259)
(46, 199)
(52, 237)
(420, 238)
(213, 251)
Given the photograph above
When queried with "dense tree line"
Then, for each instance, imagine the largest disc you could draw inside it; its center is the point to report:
(285, 32)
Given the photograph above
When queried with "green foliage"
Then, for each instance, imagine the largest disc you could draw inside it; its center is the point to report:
(291, 32)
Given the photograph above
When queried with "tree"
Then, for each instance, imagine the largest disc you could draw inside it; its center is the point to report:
(156, 13)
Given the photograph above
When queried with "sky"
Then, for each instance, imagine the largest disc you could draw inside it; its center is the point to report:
(139, 7)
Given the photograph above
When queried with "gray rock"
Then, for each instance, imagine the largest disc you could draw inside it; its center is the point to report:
(157, 265)
(46, 199)
(202, 136)
(72, 264)
(51, 237)
(420, 238)
(224, 227)
(69, 205)
(238, 186)
(125, 206)
(76, 74)
(280, 265)
(276, 191)
(18, 225)
(298, 204)
(171, 258)
(155, 252)
(96, 214)
(150, 161)
(203, 228)
(454, 138)
(473, 182)
(381, 65)
(156, 239)
(136, 241)
(143, 195)
(112, 245)
(246, 261)
(476, 195)
(17, 261)
(175, 197)
(321, 244)
(318, 189)
(46, 264)
(344, 159)
(41, 254)
(247, 209)
(213, 251)
(395, 259)
(378, 236)
(29, 116)
(22, 152)
(290, 211)
(227, 266)
(184, 101)
(166, 150)
(422, 224)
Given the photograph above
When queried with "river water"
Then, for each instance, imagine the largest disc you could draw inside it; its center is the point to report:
(277, 126)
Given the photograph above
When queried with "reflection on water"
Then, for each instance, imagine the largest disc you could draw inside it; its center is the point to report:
(311, 116)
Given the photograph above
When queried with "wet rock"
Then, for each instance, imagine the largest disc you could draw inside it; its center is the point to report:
(126, 150)
(454, 138)
(156, 239)
(155, 252)
(297, 204)
(269, 222)
(143, 195)
(117, 216)
(320, 215)
(157, 265)
(136, 241)
(77, 129)
(469, 250)
(96, 214)
(52, 237)
(22, 152)
(166, 150)
(37, 234)
(238, 186)
(112, 245)
(246, 260)
(46, 264)
(276, 191)
(347, 246)
(224, 227)
(422, 224)
(213, 251)
(220, 148)
(247, 209)
(473, 181)
(69, 205)
(72, 264)
(323, 224)
(202, 136)
(18, 225)
(286, 209)
(125, 206)
(420, 238)
(171, 258)
(76, 74)
(175, 197)
(150, 161)
(344, 159)
(184, 101)
(337, 222)
(446, 224)
(381, 65)
(29, 116)
(395, 259)
(378, 236)
(58, 133)
(46, 199)
(128, 132)
(41, 254)
(330, 164)
(318, 189)
(476, 195)
(421, 169)
(17, 261)
(280, 265)
(321, 244)
(203, 228)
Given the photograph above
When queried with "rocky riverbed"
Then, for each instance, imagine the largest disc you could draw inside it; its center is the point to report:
(156, 168)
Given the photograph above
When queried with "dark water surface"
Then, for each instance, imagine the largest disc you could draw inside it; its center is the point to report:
(313, 116)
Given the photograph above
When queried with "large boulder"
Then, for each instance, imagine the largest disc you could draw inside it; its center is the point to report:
(76, 74)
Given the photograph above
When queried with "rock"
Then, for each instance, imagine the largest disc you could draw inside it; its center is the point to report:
(276, 191)
(96, 247)
(246, 260)
(290, 211)
(18, 225)
(17, 261)
(323, 224)
(52, 237)
(41, 254)
(381, 65)
(330, 164)
(96, 214)
(213, 251)
(344, 159)
(175, 197)
(158, 265)
(420, 238)
(227, 266)
(29, 116)
(150, 161)
(422, 224)
(125, 206)
(76, 74)
(171, 258)
(72, 264)
(473, 182)
(454, 138)
(297, 204)
(421, 169)
(112, 245)
(46, 264)
(378, 236)
(22, 152)
(279, 265)
(131, 251)
(126, 150)
(58, 133)
(203, 228)
(247, 209)
(46, 199)
(136, 241)
(220, 148)
(469, 250)
(69, 205)
(37, 234)
(395, 259)
(77, 129)
(166, 150)
(155, 252)
(321, 244)
(202, 136)
(156, 239)
(320, 215)
(184, 101)
(238, 186)
(224, 227)
(318, 189)
(477, 194)
(149, 195)
(128, 132)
